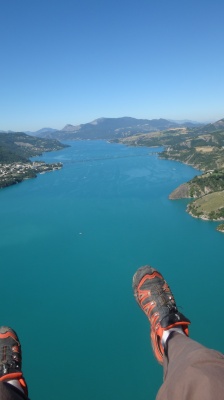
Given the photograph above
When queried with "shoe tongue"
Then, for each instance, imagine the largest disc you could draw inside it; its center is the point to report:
(170, 318)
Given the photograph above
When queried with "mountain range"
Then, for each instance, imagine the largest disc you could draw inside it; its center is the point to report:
(111, 128)
(117, 128)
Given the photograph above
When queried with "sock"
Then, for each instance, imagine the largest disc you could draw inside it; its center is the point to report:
(167, 333)
(16, 383)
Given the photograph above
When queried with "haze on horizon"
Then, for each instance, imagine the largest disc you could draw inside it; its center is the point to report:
(73, 61)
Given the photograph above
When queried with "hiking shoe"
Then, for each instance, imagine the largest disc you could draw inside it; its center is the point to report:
(11, 357)
(155, 298)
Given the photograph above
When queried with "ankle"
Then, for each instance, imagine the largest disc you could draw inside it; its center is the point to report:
(167, 332)
(18, 382)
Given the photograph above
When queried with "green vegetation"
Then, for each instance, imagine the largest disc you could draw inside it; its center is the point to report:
(203, 157)
(210, 181)
(210, 206)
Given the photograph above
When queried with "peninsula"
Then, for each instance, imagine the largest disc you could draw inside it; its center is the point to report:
(15, 151)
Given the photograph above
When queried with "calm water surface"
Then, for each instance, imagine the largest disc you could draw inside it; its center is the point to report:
(71, 241)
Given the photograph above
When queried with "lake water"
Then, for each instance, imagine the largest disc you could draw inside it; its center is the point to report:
(71, 241)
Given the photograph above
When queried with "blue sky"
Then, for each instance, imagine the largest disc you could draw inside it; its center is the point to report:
(73, 61)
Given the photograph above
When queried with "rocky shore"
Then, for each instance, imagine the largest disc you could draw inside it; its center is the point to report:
(220, 228)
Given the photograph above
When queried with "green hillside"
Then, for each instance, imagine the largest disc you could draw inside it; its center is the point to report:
(18, 146)
(203, 148)
(210, 206)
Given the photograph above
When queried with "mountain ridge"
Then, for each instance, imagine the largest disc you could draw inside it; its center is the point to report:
(212, 127)
(110, 128)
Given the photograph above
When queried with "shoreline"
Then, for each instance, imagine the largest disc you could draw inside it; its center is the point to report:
(199, 171)
(203, 217)
(17, 172)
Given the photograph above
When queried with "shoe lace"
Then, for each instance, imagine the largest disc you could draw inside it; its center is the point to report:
(170, 304)
(9, 359)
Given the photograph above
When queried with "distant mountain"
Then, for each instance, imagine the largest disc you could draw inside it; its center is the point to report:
(6, 131)
(187, 122)
(71, 128)
(41, 131)
(110, 128)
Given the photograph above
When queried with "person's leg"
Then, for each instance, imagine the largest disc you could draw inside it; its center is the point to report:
(191, 371)
(12, 383)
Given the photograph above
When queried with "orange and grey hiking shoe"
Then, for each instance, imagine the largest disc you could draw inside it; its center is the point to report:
(11, 357)
(155, 298)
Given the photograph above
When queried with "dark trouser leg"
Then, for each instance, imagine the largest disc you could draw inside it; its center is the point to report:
(191, 371)
(9, 392)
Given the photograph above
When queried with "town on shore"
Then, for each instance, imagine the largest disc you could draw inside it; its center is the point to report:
(17, 172)
(16, 149)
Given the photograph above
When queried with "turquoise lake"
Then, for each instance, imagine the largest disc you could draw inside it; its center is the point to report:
(71, 241)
